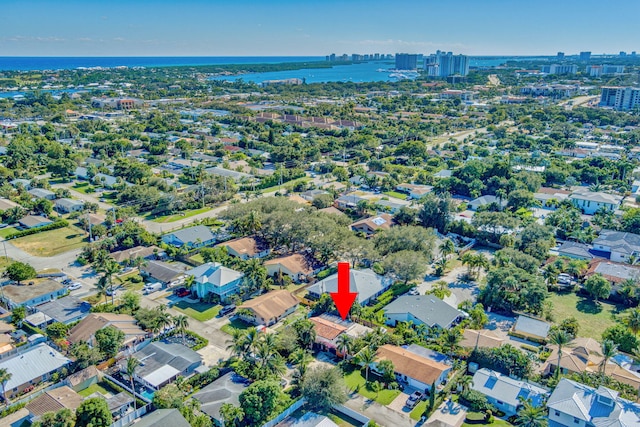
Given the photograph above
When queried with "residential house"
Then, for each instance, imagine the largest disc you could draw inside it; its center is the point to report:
(163, 362)
(415, 191)
(311, 419)
(227, 173)
(481, 201)
(214, 278)
(163, 418)
(192, 237)
(225, 389)
(246, 248)
(445, 173)
(576, 405)
(162, 272)
(81, 380)
(66, 310)
(65, 205)
(482, 338)
(390, 206)
(86, 329)
(30, 367)
(144, 252)
(422, 309)
(619, 245)
(42, 193)
(53, 401)
(328, 328)
(348, 201)
(118, 404)
(590, 202)
(298, 199)
(297, 266)
(505, 393)
(616, 273)
(372, 224)
(530, 327)
(6, 204)
(33, 293)
(269, 308)
(25, 183)
(550, 197)
(366, 283)
(81, 173)
(310, 195)
(417, 371)
(34, 221)
(106, 181)
(576, 250)
(581, 355)
(332, 210)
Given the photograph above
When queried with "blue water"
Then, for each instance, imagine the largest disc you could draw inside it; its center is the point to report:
(147, 394)
(24, 63)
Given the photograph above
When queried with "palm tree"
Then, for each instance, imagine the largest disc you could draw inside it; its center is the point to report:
(182, 323)
(344, 344)
(102, 287)
(189, 282)
(447, 248)
(633, 321)
(108, 270)
(300, 359)
(237, 344)
(465, 382)
(132, 364)
(138, 262)
(5, 377)
(450, 339)
(231, 414)
(609, 350)
(376, 387)
(255, 274)
(559, 338)
(531, 416)
(365, 358)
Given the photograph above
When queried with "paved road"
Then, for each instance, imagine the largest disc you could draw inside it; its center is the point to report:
(380, 414)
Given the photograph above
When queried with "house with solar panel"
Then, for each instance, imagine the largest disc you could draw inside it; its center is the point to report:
(506, 393)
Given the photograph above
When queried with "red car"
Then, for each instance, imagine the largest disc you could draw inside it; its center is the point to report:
(183, 292)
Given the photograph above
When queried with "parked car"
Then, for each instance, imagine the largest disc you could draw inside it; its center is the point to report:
(153, 287)
(414, 291)
(413, 400)
(227, 309)
(66, 282)
(74, 286)
(182, 292)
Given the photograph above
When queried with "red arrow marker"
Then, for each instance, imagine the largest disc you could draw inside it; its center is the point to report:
(344, 298)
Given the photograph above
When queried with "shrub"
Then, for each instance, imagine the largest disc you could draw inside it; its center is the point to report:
(59, 223)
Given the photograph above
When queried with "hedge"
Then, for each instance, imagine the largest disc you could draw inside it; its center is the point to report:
(59, 223)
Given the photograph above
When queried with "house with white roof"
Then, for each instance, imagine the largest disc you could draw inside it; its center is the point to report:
(31, 367)
(576, 405)
(506, 393)
(214, 278)
(365, 282)
(592, 201)
(192, 237)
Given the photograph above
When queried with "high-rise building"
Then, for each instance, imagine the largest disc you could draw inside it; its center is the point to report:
(441, 64)
(600, 70)
(560, 69)
(560, 56)
(623, 54)
(620, 98)
(406, 61)
(585, 56)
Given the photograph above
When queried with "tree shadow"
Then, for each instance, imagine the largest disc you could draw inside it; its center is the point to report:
(588, 306)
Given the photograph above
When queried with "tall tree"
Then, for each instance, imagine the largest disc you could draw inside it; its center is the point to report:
(323, 388)
(609, 350)
(559, 338)
(5, 377)
(181, 323)
(531, 416)
(598, 287)
(365, 358)
(132, 365)
(93, 412)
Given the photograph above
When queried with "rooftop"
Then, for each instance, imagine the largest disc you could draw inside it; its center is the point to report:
(427, 308)
(54, 400)
(272, 304)
(365, 282)
(225, 389)
(31, 364)
(25, 292)
(412, 365)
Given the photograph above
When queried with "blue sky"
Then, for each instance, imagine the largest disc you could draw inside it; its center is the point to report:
(287, 27)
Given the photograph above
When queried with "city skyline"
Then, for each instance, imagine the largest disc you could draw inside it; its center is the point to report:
(288, 28)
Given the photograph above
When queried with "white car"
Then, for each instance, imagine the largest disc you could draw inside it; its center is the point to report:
(74, 286)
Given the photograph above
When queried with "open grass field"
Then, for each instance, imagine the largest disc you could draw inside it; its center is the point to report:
(100, 387)
(397, 195)
(4, 232)
(235, 324)
(199, 311)
(593, 319)
(355, 381)
(179, 216)
(52, 242)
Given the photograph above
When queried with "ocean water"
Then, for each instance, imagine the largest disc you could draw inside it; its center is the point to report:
(24, 63)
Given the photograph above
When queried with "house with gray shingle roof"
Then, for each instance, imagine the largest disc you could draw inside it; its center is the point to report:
(506, 393)
(530, 326)
(42, 193)
(484, 201)
(68, 205)
(620, 245)
(592, 201)
(576, 405)
(422, 309)
(214, 278)
(575, 250)
(192, 237)
(365, 282)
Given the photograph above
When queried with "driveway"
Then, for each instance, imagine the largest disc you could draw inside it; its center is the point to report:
(399, 403)
(380, 414)
(449, 413)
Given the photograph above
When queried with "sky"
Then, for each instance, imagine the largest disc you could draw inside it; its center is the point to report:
(310, 28)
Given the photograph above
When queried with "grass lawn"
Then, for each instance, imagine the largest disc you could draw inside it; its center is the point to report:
(127, 283)
(52, 242)
(288, 184)
(417, 412)
(355, 381)
(84, 188)
(395, 194)
(199, 311)
(477, 415)
(197, 258)
(100, 387)
(179, 216)
(593, 319)
(235, 324)
(4, 232)
(5, 262)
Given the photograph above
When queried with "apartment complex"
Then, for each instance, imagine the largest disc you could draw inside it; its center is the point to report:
(406, 61)
(441, 64)
(620, 98)
(560, 69)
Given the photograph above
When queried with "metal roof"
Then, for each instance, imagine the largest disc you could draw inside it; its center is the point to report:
(37, 361)
(429, 309)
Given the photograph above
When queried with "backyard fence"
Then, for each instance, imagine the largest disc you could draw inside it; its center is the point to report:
(131, 416)
(290, 410)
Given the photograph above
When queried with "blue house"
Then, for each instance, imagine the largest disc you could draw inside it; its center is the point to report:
(214, 278)
(506, 393)
(192, 237)
(40, 291)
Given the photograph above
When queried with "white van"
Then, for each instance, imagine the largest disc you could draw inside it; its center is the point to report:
(152, 287)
